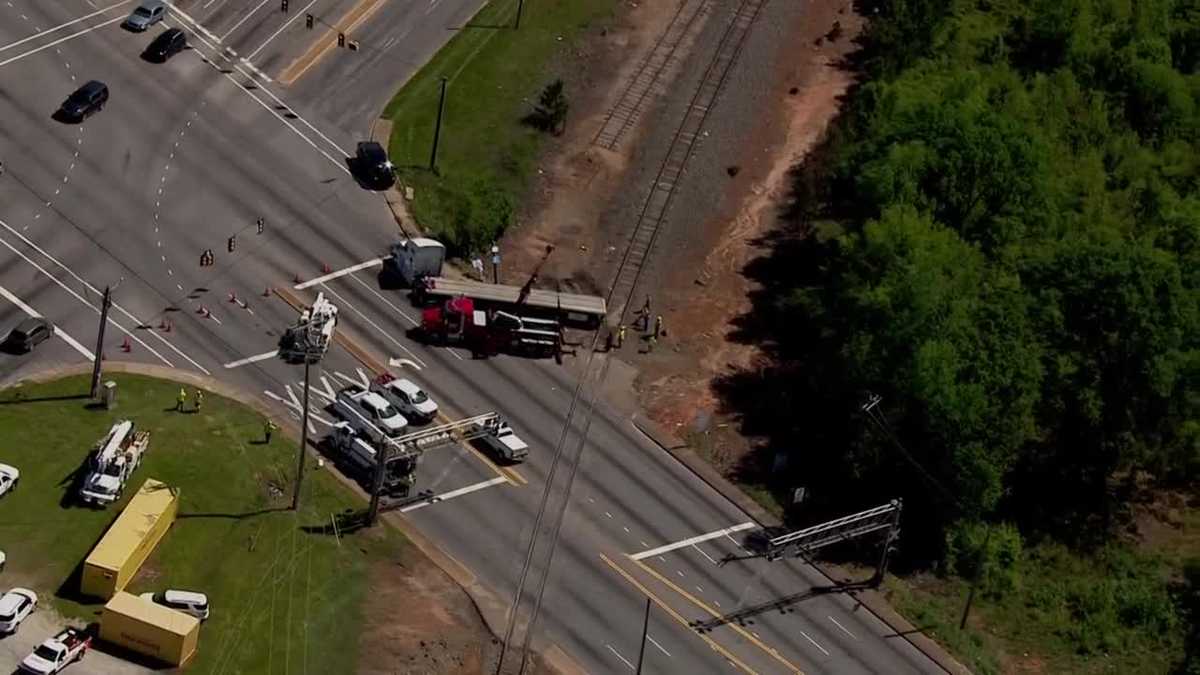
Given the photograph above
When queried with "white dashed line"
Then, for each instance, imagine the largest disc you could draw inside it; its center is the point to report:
(835, 622)
(814, 642)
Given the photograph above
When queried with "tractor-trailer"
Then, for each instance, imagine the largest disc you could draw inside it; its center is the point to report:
(586, 311)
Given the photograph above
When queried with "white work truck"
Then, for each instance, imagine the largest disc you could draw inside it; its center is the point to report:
(503, 441)
(361, 458)
(112, 462)
(57, 653)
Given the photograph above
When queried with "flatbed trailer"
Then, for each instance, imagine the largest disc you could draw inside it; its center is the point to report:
(570, 308)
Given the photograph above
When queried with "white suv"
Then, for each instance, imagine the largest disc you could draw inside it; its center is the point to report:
(15, 605)
(410, 399)
(188, 602)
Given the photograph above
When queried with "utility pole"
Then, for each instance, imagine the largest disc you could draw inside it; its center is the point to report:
(385, 452)
(303, 435)
(520, 7)
(437, 128)
(645, 631)
(104, 305)
(981, 559)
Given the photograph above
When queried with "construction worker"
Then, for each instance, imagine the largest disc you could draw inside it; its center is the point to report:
(180, 400)
(651, 342)
(658, 326)
(268, 428)
(199, 399)
(620, 336)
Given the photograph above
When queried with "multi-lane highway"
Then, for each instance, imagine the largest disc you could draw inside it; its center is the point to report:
(189, 153)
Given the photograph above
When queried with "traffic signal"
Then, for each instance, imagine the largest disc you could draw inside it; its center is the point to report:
(308, 21)
(283, 5)
(232, 243)
(341, 39)
(262, 225)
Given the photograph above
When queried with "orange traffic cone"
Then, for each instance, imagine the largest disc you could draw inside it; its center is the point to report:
(232, 296)
(267, 292)
(125, 346)
(325, 269)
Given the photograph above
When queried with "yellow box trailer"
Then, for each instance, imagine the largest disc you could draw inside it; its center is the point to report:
(130, 540)
(148, 628)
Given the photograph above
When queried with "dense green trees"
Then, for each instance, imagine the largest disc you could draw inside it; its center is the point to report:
(1002, 238)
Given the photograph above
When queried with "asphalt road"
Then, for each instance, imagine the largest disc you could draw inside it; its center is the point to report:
(189, 153)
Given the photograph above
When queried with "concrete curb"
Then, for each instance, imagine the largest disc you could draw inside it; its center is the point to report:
(872, 600)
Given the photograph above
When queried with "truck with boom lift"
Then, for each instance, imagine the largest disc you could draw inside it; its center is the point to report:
(112, 462)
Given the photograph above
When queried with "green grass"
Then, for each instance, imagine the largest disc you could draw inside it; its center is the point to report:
(279, 595)
(486, 154)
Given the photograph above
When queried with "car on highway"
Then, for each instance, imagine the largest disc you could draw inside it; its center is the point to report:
(409, 399)
(15, 605)
(168, 43)
(188, 602)
(28, 334)
(373, 167)
(145, 15)
(85, 101)
(9, 477)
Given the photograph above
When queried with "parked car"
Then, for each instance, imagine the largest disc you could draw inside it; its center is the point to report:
(373, 166)
(409, 399)
(168, 43)
(29, 333)
(85, 101)
(146, 14)
(15, 605)
(9, 476)
(188, 602)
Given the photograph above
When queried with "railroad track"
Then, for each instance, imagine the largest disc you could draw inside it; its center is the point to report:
(662, 191)
(629, 107)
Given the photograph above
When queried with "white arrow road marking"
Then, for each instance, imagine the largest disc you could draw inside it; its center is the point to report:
(694, 540)
(295, 409)
(363, 379)
(400, 363)
(253, 359)
(57, 331)
(454, 493)
(347, 378)
(328, 394)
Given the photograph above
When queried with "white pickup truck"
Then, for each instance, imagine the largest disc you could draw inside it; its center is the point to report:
(369, 413)
(503, 441)
(57, 653)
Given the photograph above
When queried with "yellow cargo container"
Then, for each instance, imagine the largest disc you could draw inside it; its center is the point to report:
(130, 540)
(148, 628)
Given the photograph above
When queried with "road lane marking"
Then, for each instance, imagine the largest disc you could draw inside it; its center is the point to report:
(80, 298)
(835, 622)
(701, 551)
(317, 51)
(384, 333)
(483, 485)
(618, 655)
(339, 273)
(675, 615)
(57, 331)
(244, 19)
(95, 290)
(253, 359)
(694, 540)
(385, 300)
(187, 17)
(60, 26)
(814, 642)
(297, 15)
(48, 45)
(774, 653)
(655, 643)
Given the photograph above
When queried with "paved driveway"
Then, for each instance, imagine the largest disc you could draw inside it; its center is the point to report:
(45, 623)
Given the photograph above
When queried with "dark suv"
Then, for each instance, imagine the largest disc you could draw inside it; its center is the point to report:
(28, 334)
(373, 167)
(168, 43)
(86, 100)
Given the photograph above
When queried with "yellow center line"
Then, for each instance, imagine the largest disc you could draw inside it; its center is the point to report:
(701, 604)
(675, 615)
(357, 14)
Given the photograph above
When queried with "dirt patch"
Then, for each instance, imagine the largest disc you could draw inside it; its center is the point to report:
(676, 392)
(417, 620)
(576, 179)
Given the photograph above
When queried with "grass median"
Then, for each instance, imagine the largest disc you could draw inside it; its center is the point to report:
(486, 155)
(281, 592)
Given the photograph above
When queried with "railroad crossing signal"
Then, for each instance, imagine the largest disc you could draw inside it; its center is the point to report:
(283, 5)
(308, 21)
(232, 243)
(341, 39)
